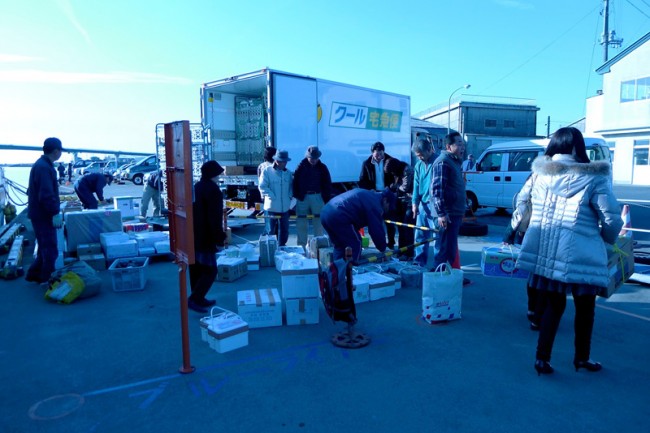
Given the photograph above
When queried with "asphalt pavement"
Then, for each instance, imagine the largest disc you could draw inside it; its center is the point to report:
(111, 363)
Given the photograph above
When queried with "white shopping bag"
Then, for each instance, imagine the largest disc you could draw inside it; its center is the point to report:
(442, 293)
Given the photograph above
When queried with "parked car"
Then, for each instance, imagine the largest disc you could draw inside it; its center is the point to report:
(79, 165)
(117, 174)
(503, 168)
(136, 172)
(95, 167)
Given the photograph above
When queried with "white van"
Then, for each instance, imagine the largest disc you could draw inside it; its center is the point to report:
(503, 168)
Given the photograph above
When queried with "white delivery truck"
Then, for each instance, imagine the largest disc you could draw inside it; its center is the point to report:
(503, 168)
(242, 115)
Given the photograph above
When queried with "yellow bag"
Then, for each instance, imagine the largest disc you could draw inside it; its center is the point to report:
(65, 289)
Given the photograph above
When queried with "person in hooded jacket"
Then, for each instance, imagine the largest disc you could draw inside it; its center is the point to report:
(208, 235)
(572, 216)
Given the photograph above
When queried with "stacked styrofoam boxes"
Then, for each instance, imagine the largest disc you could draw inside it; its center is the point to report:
(251, 255)
(379, 286)
(118, 244)
(260, 308)
(147, 242)
(300, 290)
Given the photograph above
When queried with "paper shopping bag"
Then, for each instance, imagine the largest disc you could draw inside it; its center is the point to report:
(442, 293)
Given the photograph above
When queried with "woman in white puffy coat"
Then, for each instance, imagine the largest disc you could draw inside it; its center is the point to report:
(276, 188)
(571, 215)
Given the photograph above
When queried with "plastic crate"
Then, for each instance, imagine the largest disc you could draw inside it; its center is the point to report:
(129, 273)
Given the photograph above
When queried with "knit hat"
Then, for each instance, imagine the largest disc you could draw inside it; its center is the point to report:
(282, 156)
(313, 152)
(392, 198)
(51, 144)
(211, 169)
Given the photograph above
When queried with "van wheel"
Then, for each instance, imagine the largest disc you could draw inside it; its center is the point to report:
(137, 179)
(473, 229)
(472, 201)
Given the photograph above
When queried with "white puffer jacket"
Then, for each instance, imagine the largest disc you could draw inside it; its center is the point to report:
(564, 241)
(276, 187)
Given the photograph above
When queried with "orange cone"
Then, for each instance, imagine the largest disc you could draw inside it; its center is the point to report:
(627, 222)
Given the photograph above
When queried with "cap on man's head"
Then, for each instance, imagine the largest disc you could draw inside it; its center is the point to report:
(51, 144)
(313, 152)
(211, 169)
(470, 156)
(282, 156)
(377, 146)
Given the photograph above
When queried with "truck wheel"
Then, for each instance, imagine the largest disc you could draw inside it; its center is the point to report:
(137, 179)
(473, 229)
(472, 202)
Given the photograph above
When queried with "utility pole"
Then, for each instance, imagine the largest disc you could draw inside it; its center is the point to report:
(548, 126)
(607, 38)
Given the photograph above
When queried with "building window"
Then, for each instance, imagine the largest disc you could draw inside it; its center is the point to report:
(508, 123)
(641, 151)
(635, 90)
(490, 123)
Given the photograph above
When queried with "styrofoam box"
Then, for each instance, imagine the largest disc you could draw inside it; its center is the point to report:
(126, 206)
(302, 311)
(253, 263)
(260, 308)
(128, 248)
(281, 256)
(300, 278)
(361, 291)
(380, 286)
(149, 239)
(228, 334)
(231, 268)
(162, 247)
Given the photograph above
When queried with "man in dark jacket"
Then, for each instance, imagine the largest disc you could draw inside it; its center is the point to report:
(345, 214)
(312, 188)
(43, 208)
(372, 169)
(447, 198)
(398, 176)
(208, 234)
(89, 184)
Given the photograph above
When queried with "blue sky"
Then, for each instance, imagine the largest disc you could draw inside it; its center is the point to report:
(101, 74)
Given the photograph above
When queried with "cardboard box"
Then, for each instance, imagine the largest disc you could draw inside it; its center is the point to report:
(89, 249)
(95, 261)
(500, 262)
(620, 265)
(260, 308)
(302, 311)
(268, 246)
(231, 268)
(380, 286)
(300, 278)
(136, 227)
(361, 290)
(87, 226)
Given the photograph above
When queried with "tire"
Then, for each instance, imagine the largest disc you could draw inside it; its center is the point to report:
(137, 179)
(473, 229)
(472, 202)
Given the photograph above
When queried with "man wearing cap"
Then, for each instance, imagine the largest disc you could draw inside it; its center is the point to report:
(208, 235)
(312, 188)
(89, 184)
(152, 189)
(43, 208)
(345, 214)
(469, 164)
(276, 186)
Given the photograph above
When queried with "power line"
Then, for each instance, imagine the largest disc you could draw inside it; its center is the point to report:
(542, 50)
(635, 7)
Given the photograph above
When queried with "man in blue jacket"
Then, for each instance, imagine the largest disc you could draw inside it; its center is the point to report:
(43, 208)
(91, 183)
(345, 214)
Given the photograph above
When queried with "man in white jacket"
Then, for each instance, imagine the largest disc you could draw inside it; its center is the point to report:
(276, 188)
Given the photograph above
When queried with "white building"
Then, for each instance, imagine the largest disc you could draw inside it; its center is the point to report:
(621, 112)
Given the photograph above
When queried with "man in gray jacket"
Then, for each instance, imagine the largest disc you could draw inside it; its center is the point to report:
(447, 198)
(277, 189)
